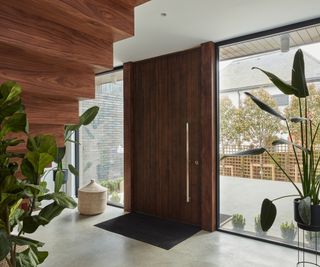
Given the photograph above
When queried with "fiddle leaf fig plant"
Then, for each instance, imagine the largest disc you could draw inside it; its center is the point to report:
(305, 147)
(28, 186)
(85, 119)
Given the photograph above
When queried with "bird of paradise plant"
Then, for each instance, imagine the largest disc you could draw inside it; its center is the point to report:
(308, 162)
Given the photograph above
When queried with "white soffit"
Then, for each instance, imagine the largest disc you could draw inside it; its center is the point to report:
(189, 23)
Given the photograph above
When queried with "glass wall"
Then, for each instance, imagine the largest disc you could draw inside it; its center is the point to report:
(101, 142)
(246, 181)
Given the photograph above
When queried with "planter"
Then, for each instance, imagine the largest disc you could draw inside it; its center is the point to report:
(92, 199)
(65, 175)
(315, 217)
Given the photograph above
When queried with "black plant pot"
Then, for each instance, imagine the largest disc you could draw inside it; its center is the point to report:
(315, 217)
(65, 175)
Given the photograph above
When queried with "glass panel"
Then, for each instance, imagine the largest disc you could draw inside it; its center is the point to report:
(246, 181)
(101, 142)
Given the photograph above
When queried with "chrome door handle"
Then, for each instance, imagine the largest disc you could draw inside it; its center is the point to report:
(187, 164)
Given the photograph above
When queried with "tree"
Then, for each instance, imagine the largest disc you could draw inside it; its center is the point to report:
(314, 111)
(260, 127)
(228, 123)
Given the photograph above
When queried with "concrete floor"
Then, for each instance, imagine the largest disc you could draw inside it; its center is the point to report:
(73, 241)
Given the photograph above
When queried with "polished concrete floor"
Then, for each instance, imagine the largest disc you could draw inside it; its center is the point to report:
(74, 241)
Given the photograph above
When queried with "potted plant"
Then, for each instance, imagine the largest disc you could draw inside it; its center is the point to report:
(15, 220)
(61, 174)
(288, 231)
(257, 226)
(238, 222)
(306, 204)
(313, 238)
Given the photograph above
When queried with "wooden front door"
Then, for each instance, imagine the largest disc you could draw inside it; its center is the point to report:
(167, 137)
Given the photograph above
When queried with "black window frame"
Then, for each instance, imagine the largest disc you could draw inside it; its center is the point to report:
(218, 45)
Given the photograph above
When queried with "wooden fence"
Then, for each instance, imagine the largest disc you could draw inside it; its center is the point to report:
(261, 166)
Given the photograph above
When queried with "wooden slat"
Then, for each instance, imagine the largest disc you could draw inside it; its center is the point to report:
(128, 135)
(133, 2)
(32, 33)
(50, 110)
(45, 76)
(107, 20)
(209, 135)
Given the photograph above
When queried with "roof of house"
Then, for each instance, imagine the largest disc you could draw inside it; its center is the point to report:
(238, 74)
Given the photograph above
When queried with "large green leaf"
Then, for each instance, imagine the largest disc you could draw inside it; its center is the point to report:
(249, 152)
(304, 209)
(31, 257)
(39, 161)
(73, 170)
(24, 241)
(31, 223)
(61, 199)
(15, 123)
(298, 119)
(43, 144)
(298, 75)
(265, 107)
(10, 90)
(61, 151)
(28, 171)
(58, 180)
(51, 211)
(89, 115)
(284, 87)
(286, 142)
(268, 214)
(5, 244)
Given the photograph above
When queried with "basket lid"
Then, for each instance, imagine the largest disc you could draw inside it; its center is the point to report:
(93, 187)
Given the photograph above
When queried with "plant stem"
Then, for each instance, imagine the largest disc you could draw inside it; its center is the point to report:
(284, 172)
(8, 262)
(284, 197)
(294, 150)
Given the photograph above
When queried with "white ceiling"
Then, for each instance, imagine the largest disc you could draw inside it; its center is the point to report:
(191, 22)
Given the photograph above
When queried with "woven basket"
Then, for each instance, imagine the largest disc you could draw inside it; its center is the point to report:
(92, 199)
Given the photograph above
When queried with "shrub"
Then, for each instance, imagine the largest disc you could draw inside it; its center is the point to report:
(257, 226)
(288, 231)
(238, 222)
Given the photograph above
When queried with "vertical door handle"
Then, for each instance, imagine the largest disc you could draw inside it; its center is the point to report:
(187, 164)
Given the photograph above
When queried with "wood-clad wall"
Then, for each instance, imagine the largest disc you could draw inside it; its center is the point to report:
(161, 95)
(53, 50)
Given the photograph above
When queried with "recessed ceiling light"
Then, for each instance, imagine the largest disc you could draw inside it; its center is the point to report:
(163, 14)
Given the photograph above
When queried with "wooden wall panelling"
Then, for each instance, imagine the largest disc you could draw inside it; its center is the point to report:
(208, 126)
(50, 110)
(128, 135)
(193, 85)
(35, 129)
(107, 20)
(43, 75)
(32, 33)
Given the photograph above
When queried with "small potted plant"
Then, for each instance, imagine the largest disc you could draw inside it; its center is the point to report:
(238, 222)
(115, 198)
(257, 226)
(306, 202)
(288, 231)
(313, 238)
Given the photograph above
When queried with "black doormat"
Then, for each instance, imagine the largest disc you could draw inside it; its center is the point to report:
(158, 232)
